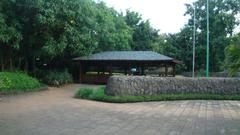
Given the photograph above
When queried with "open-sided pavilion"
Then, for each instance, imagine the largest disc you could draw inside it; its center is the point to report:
(97, 68)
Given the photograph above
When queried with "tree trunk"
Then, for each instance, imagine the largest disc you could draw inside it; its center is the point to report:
(19, 63)
(26, 65)
(2, 64)
(34, 65)
(11, 64)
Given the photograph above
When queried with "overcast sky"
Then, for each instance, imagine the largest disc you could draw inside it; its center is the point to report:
(166, 15)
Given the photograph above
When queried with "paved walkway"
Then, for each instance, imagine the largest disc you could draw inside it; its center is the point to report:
(55, 112)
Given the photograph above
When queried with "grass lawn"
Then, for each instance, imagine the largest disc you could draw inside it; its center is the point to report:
(99, 95)
(16, 82)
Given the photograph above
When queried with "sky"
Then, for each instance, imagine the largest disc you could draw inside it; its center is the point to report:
(165, 15)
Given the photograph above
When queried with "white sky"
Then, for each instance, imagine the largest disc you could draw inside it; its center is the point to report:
(165, 15)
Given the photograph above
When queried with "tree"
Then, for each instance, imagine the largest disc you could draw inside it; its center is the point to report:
(10, 37)
(54, 34)
(179, 46)
(223, 21)
(67, 30)
(232, 53)
(82, 27)
(112, 32)
(144, 36)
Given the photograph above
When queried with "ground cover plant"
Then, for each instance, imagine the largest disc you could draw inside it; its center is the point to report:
(16, 82)
(99, 95)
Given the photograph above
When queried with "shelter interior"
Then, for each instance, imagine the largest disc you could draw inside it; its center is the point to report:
(97, 71)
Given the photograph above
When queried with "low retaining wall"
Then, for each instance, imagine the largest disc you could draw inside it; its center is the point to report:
(212, 74)
(144, 85)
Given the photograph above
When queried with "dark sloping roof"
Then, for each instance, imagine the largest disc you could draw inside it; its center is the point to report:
(126, 55)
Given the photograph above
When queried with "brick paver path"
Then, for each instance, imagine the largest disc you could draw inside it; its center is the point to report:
(55, 112)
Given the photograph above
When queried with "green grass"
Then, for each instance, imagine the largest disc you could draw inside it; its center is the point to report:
(99, 95)
(16, 82)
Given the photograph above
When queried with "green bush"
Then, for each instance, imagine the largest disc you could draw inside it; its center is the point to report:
(16, 82)
(55, 78)
(84, 93)
(99, 95)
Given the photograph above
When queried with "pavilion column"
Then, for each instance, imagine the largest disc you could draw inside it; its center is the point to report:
(166, 70)
(125, 71)
(110, 71)
(174, 70)
(81, 73)
(142, 71)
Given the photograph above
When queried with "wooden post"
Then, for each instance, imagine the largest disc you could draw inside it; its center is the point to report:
(81, 73)
(110, 71)
(142, 71)
(166, 70)
(125, 71)
(98, 70)
(174, 70)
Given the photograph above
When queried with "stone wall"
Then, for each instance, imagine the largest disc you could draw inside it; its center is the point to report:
(144, 85)
(212, 74)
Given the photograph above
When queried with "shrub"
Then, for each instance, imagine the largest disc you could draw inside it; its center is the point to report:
(16, 82)
(55, 78)
(84, 93)
(232, 59)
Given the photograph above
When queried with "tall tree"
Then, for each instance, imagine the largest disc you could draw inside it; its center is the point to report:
(10, 36)
(179, 46)
(55, 33)
(144, 36)
(67, 30)
(223, 21)
(112, 32)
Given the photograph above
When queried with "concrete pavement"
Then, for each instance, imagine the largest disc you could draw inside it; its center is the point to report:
(56, 112)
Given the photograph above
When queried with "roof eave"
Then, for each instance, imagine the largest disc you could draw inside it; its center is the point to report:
(170, 60)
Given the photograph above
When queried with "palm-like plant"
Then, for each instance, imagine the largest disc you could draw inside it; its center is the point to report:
(232, 60)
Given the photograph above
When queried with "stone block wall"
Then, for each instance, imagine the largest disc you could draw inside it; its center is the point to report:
(145, 85)
(212, 74)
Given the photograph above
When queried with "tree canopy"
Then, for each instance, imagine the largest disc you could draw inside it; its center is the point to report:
(144, 36)
(34, 33)
(223, 21)
(222, 24)
(51, 32)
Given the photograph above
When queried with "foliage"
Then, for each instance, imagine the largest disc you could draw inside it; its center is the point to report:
(223, 23)
(10, 38)
(15, 82)
(179, 46)
(34, 33)
(223, 20)
(74, 24)
(112, 32)
(55, 78)
(99, 95)
(144, 36)
(232, 53)
(56, 33)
